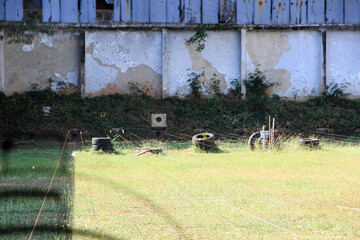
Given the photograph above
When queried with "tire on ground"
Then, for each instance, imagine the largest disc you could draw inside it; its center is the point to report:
(100, 141)
(204, 141)
(252, 140)
(309, 142)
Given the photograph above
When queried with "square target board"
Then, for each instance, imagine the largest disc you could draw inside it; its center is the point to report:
(158, 120)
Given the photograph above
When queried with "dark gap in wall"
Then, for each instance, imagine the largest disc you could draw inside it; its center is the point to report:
(32, 4)
(104, 4)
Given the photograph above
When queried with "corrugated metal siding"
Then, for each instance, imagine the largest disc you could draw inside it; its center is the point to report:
(298, 11)
(334, 11)
(316, 11)
(245, 12)
(210, 11)
(2, 9)
(242, 12)
(352, 12)
(88, 11)
(14, 10)
(280, 12)
(262, 12)
(192, 11)
(157, 11)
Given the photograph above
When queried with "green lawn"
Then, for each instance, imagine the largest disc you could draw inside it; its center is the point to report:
(23, 188)
(237, 194)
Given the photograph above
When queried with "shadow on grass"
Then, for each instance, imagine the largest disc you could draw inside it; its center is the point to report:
(57, 230)
(150, 204)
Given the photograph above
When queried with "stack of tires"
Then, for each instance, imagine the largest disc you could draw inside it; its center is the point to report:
(204, 141)
(101, 143)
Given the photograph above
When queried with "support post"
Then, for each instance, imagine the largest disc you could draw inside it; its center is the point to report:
(164, 78)
(243, 61)
(323, 83)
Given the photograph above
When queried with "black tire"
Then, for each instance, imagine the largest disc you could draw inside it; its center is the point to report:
(100, 141)
(204, 141)
(252, 140)
(105, 148)
(314, 142)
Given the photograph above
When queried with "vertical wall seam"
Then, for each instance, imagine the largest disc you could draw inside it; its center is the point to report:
(324, 82)
(82, 63)
(243, 61)
(164, 84)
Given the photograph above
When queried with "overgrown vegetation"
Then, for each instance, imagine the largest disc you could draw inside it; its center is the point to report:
(21, 114)
(25, 31)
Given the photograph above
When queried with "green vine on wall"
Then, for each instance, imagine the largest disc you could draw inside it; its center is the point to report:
(24, 32)
(199, 37)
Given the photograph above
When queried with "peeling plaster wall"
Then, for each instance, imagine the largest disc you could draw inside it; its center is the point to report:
(292, 60)
(221, 57)
(343, 61)
(120, 62)
(49, 56)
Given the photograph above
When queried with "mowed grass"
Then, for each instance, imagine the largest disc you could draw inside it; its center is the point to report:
(23, 188)
(292, 193)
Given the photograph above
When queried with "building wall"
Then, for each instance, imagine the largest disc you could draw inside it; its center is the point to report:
(343, 61)
(29, 66)
(122, 62)
(159, 62)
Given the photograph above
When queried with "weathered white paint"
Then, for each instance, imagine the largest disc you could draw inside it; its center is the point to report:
(221, 56)
(28, 47)
(343, 61)
(303, 61)
(61, 81)
(37, 62)
(291, 60)
(114, 53)
(48, 39)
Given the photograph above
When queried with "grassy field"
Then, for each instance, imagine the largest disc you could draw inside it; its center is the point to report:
(292, 193)
(23, 188)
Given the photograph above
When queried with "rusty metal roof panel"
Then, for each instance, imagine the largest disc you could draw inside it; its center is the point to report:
(210, 11)
(280, 11)
(192, 11)
(298, 11)
(316, 12)
(352, 12)
(140, 11)
(262, 12)
(335, 11)
(14, 10)
(158, 11)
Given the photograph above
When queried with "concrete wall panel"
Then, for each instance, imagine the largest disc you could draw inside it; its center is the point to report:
(56, 57)
(220, 60)
(292, 60)
(117, 61)
(343, 61)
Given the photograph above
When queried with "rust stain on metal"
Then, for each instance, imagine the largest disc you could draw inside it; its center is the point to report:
(127, 7)
(260, 10)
